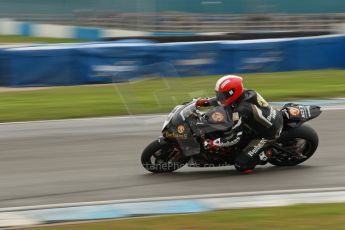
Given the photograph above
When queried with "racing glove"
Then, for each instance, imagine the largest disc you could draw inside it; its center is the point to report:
(202, 102)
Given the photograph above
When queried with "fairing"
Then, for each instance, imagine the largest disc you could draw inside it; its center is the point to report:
(184, 129)
(296, 114)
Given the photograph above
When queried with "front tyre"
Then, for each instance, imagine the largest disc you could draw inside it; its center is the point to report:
(162, 157)
(302, 142)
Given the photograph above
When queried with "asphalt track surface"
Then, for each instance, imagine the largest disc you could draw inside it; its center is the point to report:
(99, 159)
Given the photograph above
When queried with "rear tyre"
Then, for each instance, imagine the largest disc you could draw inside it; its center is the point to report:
(161, 157)
(302, 142)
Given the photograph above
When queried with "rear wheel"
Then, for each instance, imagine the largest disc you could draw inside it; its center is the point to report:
(299, 145)
(162, 157)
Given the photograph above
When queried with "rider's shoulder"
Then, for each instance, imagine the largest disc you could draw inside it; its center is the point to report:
(244, 103)
(249, 95)
(253, 97)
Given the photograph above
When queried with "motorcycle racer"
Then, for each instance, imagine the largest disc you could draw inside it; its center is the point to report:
(247, 109)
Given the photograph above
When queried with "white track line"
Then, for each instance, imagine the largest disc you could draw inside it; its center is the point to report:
(330, 108)
(217, 195)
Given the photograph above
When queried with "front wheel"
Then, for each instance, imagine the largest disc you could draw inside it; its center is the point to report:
(299, 145)
(162, 157)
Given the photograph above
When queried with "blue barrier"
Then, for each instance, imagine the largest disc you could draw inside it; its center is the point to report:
(26, 29)
(102, 62)
(42, 68)
(188, 59)
(86, 33)
(320, 53)
(250, 56)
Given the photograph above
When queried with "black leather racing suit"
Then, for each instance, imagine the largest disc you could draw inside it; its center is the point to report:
(253, 111)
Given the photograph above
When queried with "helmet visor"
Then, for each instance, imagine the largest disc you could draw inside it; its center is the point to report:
(223, 96)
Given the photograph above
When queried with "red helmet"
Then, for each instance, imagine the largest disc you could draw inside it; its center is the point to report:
(228, 89)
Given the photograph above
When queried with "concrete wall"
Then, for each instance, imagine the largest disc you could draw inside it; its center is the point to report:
(11, 27)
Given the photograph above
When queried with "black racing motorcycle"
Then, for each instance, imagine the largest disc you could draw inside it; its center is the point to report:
(186, 128)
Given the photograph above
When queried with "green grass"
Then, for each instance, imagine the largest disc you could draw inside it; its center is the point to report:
(306, 217)
(26, 39)
(160, 95)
